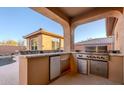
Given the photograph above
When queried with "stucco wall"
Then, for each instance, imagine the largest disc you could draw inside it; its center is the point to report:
(8, 50)
(79, 47)
(62, 44)
(119, 34)
(110, 47)
(39, 38)
(29, 41)
(46, 42)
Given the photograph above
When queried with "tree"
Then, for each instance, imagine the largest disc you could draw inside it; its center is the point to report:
(9, 42)
(21, 43)
(13, 43)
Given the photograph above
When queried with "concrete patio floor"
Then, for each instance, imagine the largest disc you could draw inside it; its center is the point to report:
(9, 74)
(79, 79)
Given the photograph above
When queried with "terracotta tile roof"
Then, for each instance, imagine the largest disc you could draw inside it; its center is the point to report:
(97, 41)
(6, 50)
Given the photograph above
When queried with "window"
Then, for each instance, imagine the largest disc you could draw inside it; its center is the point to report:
(33, 44)
(55, 44)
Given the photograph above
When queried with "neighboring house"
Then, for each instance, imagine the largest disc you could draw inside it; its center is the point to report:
(8, 50)
(95, 45)
(43, 40)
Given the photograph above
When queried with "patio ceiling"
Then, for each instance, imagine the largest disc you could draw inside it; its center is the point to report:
(79, 15)
(72, 12)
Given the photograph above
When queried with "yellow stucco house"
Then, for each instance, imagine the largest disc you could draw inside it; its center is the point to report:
(43, 40)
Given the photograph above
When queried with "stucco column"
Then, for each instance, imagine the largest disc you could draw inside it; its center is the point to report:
(39, 41)
(119, 34)
(72, 37)
(59, 43)
(67, 38)
(28, 44)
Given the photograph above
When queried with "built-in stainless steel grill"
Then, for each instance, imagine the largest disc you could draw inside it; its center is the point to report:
(93, 63)
(94, 56)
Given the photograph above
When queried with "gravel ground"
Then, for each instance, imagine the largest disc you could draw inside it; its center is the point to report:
(9, 72)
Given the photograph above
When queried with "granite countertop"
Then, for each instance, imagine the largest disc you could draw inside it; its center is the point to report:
(90, 53)
(112, 54)
(60, 53)
(44, 54)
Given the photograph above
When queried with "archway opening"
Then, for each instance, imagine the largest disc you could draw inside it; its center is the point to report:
(92, 37)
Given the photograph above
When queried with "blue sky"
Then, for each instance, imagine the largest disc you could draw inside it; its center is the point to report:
(95, 29)
(17, 22)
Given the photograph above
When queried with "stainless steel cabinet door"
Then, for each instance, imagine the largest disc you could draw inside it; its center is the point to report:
(82, 66)
(99, 68)
(54, 67)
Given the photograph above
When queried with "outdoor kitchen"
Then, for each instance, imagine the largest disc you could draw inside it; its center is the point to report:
(58, 60)
(61, 46)
(95, 61)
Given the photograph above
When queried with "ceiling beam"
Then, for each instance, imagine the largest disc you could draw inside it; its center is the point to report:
(53, 14)
(60, 13)
(110, 25)
(96, 14)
